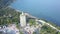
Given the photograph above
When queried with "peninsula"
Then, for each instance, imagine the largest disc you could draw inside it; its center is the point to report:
(13, 21)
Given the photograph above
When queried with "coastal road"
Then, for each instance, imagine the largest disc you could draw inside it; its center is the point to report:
(49, 25)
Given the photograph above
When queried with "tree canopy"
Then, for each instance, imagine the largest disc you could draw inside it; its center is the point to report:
(8, 16)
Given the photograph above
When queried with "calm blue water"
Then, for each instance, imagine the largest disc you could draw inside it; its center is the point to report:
(47, 9)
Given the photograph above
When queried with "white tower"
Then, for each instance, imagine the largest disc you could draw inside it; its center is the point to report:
(23, 20)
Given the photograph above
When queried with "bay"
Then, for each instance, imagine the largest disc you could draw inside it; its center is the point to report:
(46, 9)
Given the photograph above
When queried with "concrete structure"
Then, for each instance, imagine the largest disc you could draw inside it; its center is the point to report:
(23, 20)
(24, 17)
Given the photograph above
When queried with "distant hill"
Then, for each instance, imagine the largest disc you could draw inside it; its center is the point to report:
(5, 3)
(9, 15)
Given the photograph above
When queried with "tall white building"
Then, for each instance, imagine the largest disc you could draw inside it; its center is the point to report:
(23, 20)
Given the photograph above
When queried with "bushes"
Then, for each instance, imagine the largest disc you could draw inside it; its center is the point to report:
(32, 22)
(8, 16)
(47, 30)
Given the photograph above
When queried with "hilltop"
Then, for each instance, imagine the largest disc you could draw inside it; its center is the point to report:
(11, 16)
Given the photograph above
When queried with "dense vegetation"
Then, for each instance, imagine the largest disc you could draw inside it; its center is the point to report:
(47, 30)
(32, 22)
(8, 16)
(57, 26)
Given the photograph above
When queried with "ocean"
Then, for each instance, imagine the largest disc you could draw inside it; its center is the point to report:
(46, 9)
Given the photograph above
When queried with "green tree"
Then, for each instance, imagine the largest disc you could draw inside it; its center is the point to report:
(32, 22)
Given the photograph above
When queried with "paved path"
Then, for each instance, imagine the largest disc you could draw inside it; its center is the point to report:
(49, 25)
